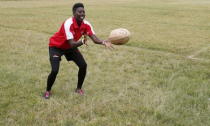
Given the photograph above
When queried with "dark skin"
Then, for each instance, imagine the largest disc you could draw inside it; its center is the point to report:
(79, 15)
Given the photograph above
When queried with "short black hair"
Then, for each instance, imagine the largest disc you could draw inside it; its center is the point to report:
(76, 5)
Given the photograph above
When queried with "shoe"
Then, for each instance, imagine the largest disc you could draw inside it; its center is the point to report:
(80, 91)
(47, 95)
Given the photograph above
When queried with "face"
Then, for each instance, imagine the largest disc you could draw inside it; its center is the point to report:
(79, 14)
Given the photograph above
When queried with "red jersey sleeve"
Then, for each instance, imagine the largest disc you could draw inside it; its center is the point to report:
(89, 28)
(68, 32)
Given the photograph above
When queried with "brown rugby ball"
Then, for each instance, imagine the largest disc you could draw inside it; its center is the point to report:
(119, 36)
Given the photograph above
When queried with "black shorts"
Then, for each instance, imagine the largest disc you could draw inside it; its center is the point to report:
(70, 54)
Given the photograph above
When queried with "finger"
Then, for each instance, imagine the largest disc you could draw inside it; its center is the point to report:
(85, 37)
(111, 47)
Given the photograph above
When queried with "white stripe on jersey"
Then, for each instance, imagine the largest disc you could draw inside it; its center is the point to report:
(67, 25)
(86, 22)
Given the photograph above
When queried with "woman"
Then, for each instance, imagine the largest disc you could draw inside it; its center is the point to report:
(66, 42)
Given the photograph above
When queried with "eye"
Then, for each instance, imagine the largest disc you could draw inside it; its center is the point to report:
(81, 11)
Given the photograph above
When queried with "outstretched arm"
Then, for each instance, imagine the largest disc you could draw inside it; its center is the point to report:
(96, 40)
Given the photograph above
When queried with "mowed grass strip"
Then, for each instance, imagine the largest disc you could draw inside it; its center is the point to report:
(147, 82)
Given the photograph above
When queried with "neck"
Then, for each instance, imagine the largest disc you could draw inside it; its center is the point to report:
(79, 22)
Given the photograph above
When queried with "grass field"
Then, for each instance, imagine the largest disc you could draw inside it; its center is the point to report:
(160, 78)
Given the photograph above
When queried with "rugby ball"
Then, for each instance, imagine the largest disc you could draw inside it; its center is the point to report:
(119, 36)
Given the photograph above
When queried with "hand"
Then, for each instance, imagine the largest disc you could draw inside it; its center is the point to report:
(84, 40)
(108, 44)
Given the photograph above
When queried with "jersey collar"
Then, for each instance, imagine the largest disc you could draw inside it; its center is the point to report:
(75, 23)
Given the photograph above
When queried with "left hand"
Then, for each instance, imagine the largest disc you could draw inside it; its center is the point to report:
(108, 44)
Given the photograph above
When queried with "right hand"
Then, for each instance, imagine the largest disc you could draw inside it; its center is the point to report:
(85, 40)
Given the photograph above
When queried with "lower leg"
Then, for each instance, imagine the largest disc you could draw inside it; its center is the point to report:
(81, 76)
(51, 79)
(52, 76)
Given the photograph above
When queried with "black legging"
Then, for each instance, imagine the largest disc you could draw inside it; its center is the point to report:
(72, 55)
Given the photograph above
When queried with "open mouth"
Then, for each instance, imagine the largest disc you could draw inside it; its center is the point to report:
(82, 17)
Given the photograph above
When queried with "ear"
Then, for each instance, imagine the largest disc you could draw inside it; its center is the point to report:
(74, 13)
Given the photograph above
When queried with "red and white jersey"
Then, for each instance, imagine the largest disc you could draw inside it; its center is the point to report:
(70, 30)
